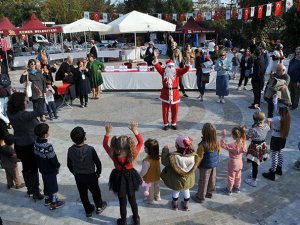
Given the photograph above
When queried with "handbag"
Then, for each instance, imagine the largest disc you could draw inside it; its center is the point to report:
(28, 89)
(205, 77)
(248, 72)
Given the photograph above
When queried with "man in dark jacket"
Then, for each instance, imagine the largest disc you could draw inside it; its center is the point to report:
(257, 77)
(294, 72)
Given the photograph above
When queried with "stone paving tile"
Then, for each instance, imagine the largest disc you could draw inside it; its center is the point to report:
(269, 203)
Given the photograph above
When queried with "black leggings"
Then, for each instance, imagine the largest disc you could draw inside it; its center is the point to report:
(181, 85)
(242, 77)
(133, 204)
(254, 170)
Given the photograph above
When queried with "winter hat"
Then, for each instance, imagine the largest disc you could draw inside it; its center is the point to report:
(170, 62)
(184, 142)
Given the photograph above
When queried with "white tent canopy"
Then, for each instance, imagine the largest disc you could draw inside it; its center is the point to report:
(137, 22)
(85, 25)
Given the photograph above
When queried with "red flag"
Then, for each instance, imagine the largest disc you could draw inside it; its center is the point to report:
(96, 16)
(298, 5)
(4, 45)
(246, 13)
(234, 13)
(278, 8)
(181, 17)
(218, 15)
(167, 17)
(199, 17)
(260, 11)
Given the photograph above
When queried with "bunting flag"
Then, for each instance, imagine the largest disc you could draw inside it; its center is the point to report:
(228, 14)
(298, 5)
(188, 15)
(269, 9)
(218, 15)
(240, 14)
(278, 8)
(159, 16)
(246, 13)
(288, 4)
(86, 14)
(174, 16)
(234, 13)
(96, 16)
(104, 18)
(181, 17)
(167, 17)
(252, 10)
(260, 11)
(198, 17)
(208, 15)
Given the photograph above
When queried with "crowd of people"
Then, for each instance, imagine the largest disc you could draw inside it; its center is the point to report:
(29, 141)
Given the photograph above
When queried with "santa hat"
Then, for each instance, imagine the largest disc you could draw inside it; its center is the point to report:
(170, 62)
(184, 142)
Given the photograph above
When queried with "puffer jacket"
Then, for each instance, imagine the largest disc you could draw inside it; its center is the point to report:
(179, 171)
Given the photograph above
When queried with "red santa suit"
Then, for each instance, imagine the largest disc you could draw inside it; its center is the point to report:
(170, 96)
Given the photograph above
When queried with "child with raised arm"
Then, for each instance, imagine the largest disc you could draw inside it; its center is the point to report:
(208, 152)
(257, 150)
(82, 160)
(235, 162)
(281, 122)
(124, 180)
(150, 172)
(179, 171)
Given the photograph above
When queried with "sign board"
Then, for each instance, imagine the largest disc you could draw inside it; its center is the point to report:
(109, 68)
(123, 68)
(143, 68)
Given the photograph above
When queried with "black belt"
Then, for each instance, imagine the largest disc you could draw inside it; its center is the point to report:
(172, 88)
(276, 130)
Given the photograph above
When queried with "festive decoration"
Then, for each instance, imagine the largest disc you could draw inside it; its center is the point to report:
(208, 15)
(181, 17)
(159, 16)
(86, 14)
(288, 4)
(96, 16)
(278, 8)
(228, 14)
(167, 17)
(234, 13)
(269, 10)
(260, 11)
(199, 17)
(240, 14)
(174, 16)
(298, 5)
(218, 15)
(252, 9)
(246, 13)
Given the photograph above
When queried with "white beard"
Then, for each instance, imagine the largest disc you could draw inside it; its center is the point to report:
(170, 74)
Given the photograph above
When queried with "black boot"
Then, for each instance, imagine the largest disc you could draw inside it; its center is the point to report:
(121, 222)
(278, 170)
(35, 187)
(136, 220)
(270, 175)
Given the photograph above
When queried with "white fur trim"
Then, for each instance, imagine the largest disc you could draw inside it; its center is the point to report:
(170, 64)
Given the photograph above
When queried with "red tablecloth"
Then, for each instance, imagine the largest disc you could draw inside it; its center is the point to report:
(61, 90)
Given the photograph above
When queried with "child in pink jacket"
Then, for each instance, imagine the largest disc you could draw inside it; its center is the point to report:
(235, 163)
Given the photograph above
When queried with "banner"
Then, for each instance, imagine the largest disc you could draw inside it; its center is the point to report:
(252, 10)
(181, 17)
(234, 13)
(240, 14)
(167, 17)
(278, 8)
(246, 13)
(188, 15)
(228, 14)
(4, 45)
(298, 5)
(218, 15)
(86, 14)
(174, 16)
(269, 9)
(288, 4)
(104, 18)
(198, 17)
(96, 16)
(159, 16)
(260, 11)
(208, 15)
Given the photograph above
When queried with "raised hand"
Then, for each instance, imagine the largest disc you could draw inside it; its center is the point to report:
(156, 53)
(133, 127)
(108, 128)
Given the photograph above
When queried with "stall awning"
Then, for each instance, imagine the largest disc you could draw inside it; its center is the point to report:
(192, 27)
(6, 27)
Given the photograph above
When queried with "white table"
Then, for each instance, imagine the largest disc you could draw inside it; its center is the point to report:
(134, 80)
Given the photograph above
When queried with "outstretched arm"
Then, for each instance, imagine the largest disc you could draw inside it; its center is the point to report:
(133, 128)
(108, 129)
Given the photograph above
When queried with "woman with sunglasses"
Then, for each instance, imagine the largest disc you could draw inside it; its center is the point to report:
(223, 67)
(38, 86)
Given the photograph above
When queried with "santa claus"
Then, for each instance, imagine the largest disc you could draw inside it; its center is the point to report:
(170, 96)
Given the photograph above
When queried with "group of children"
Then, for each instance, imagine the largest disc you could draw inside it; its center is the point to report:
(180, 165)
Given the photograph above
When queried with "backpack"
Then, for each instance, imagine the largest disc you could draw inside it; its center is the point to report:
(4, 80)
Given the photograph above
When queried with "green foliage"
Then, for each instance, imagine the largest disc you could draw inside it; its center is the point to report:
(291, 32)
(177, 6)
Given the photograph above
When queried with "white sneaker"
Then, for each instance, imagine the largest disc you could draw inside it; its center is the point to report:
(251, 182)
(201, 98)
(219, 101)
(222, 101)
(239, 88)
(245, 88)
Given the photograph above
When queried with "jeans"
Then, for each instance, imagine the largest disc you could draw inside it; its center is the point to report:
(3, 105)
(51, 108)
(200, 84)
